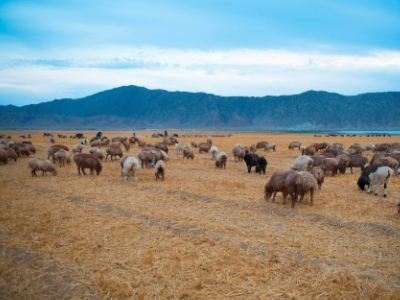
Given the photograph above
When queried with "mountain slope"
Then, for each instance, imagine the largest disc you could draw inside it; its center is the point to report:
(138, 107)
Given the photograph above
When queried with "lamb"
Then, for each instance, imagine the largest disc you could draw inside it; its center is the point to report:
(85, 141)
(63, 157)
(96, 143)
(180, 146)
(113, 151)
(214, 151)
(194, 144)
(40, 164)
(310, 151)
(96, 152)
(131, 167)
(302, 163)
(188, 153)
(3, 157)
(239, 152)
(308, 184)
(357, 161)
(84, 161)
(319, 160)
(261, 165)
(11, 154)
(389, 162)
(375, 175)
(77, 148)
(161, 146)
(331, 166)
(319, 175)
(251, 160)
(261, 145)
(204, 147)
(343, 162)
(253, 148)
(295, 144)
(221, 160)
(285, 181)
(159, 170)
(270, 146)
(53, 149)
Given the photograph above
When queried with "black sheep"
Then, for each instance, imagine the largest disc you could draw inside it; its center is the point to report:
(261, 165)
(251, 160)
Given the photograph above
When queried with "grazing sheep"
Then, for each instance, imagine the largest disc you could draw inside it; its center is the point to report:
(261, 145)
(375, 175)
(270, 146)
(63, 157)
(261, 165)
(214, 151)
(121, 162)
(194, 144)
(323, 146)
(253, 148)
(77, 148)
(131, 167)
(180, 146)
(204, 147)
(52, 140)
(3, 157)
(167, 141)
(188, 153)
(127, 146)
(30, 147)
(149, 146)
(113, 151)
(336, 147)
(94, 139)
(331, 166)
(367, 147)
(40, 164)
(161, 146)
(378, 156)
(343, 162)
(319, 160)
(174, 140)
(285, 181)
(319, 175)
(389, 162)
(310, 150)
(11, 154)
(334, 152)
(147, 158)
(96, 152)
(357, 148)
(357, 161)
(209, 141)
(349, 152)
(308, 184)
(85, 142)
(142, 144)
(221, 160)
(251, 160)
(302, 163)
(159, 170)
(133, 140)
(105, 142)
(84, 161)
(328, 155)
(53, 149)
(96, 143)
(295, 144)
(238, 152)
(21, 149)
(381, 147)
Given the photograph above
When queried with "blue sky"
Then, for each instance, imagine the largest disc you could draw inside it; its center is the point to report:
(70, 49)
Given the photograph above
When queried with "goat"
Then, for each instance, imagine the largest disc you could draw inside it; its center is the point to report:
(375, 175)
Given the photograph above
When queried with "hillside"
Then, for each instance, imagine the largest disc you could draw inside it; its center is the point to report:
(137, 107)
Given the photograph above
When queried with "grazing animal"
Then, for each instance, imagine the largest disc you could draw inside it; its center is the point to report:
(3, 156)
(295, 144)
(323, 146)
(113, 151)
(52, 140)
(209, 141)
(142, 144)
(214, 151)
(204, 147)
(21, 149)
(180, 146)
(96, 152)
(389, 162)
(319, 160)
(357, 161)
(308, 184)
(84, 161)
(357, 148)
(328, 155)
(261, 165)
(221, 159)
(161, 146)
(106, 142)
(310, 150)
(188, 153)
(194, 144)
(131, 167)
(96, 143)
(53, 149)
(133, 140)
(343, 162)
(331, 166)
(77, 148)
(375, 175)
(285, 181)
(11, 154)
(239, 152)
(40, 164)
(253, 148)
(85, 142)
(319, 175)
(381, 147)
(261, 145)
(251, 160)
(127, 146)
(302, 163)
(63, 157)
(159, 170)
(270, 146)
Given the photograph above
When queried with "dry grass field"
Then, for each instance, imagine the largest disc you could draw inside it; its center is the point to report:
(203, 233)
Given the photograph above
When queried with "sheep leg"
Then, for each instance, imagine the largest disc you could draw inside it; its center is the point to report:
(293, 200)
(301, 197)
(79, 171)
(249, 169)
(106, 157)
(91, 171)
(83, 171)
(34, 173)
(351, 169)
(312, 195)
(273, 198)
(384, 194)
(377, 190)
(369, 188)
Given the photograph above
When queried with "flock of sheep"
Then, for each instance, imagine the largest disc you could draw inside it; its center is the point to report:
(305, 176)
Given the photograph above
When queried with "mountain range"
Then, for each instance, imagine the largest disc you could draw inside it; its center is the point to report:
(133, 107)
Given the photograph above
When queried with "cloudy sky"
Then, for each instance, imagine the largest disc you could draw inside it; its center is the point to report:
(70, 49)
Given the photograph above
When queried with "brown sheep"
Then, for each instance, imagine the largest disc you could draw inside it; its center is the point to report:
(21, 149)
(308, 184)
(270, 146)
(53, 149)
(316, 146)
(204, 147)
(167, 141)
(331, 166)
(389, 162)
(141, 144)
(194, 144)
(3, 156)
(253, 148)
(310, 151)
(96, 152)
(96, 143)
(84, 161)
(113, 151)
(63, 157)
(357, 161)
(40, 164)
(343, 162)
(262, 145)
(161, 146)
(188, 153)
(357, 148)
(133, 140)
(295, 144)
(323, 146)
(52, 140)
(209, 141)
(285, 181)
(381, 147)
(127, 146)
(30, 147)
(105, 142)
(11, 154)
(328, 155)
(239, 152)
(147, 158)
(319, 175)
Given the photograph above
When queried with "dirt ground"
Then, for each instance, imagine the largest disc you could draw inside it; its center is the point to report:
(203, 233)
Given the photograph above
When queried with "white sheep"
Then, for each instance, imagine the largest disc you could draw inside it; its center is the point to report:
(131, 167)
(96, 152)
(214, 151)
(40, 164)
(302, 163)
(180, 146)
(159, 169)
(367, 147)
(63, 157)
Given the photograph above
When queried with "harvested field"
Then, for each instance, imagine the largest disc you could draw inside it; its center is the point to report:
(203, 233)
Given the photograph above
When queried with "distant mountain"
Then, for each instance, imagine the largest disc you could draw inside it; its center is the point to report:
(133, 107)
